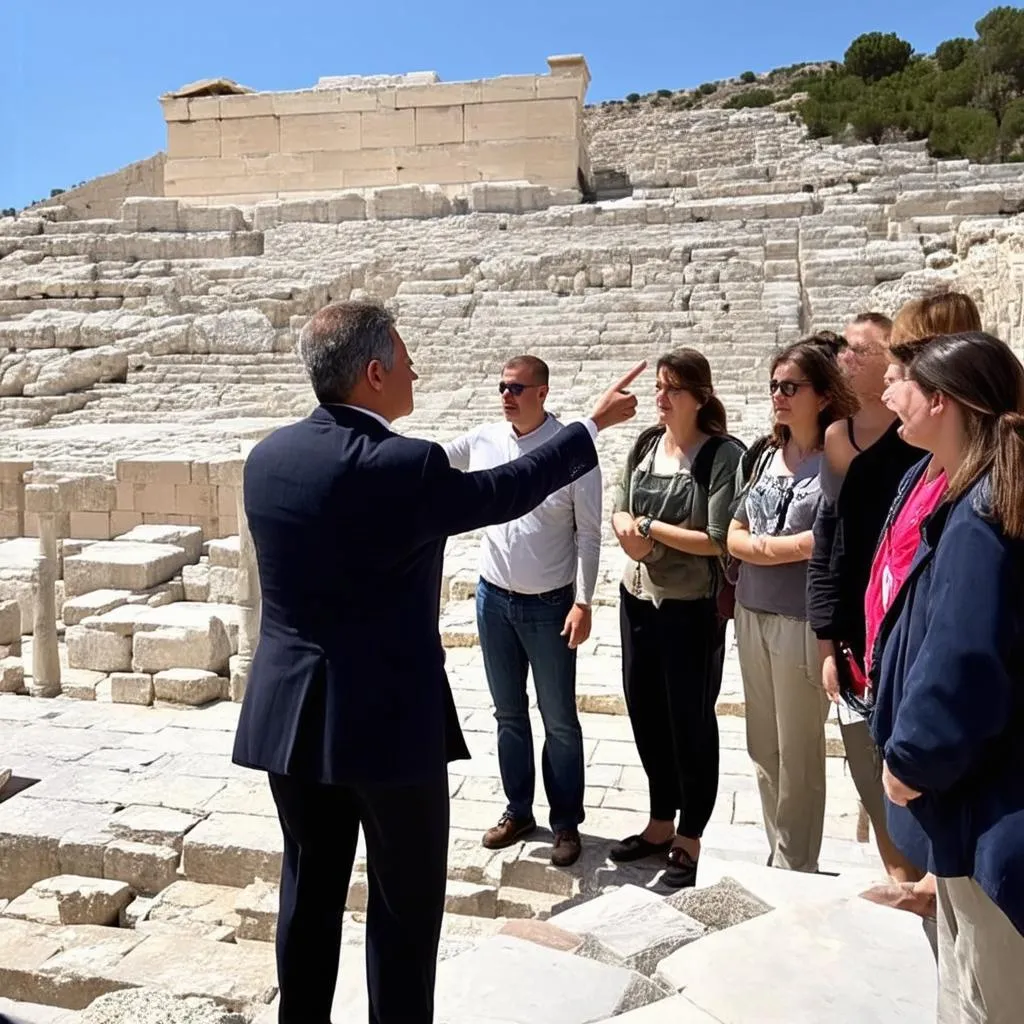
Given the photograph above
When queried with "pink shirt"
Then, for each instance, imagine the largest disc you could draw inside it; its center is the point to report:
(895, 554)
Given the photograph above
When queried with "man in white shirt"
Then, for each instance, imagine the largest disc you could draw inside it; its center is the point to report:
(537, 579)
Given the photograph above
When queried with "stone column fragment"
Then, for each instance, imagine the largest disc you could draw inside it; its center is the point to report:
(44, 501)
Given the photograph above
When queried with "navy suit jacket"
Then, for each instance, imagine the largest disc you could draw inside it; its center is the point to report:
(349, 522)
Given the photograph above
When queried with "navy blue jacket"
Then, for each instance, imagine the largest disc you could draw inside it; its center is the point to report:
(949, 711)
(349, 522)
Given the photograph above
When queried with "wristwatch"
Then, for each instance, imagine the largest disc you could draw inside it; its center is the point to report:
(644, 527)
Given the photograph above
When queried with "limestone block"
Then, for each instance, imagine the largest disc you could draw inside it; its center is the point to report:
(508, 197)
(195, 580)
(674, 1010)
(318, 132)
(537, 984)
(349, 206)
(224, 551)
(24, 948)
(238, 679)
(232, 849)
(211, 218)
(257, 907)
(86, 900)
(407, 201)
(31, 831)
(153, 1006)
(90, 525)
(190, 139)
(187, 685)
(250, 136)
(223, 584)
(235, 976)
(188, 615)
(629, 926)
(131, 688)
(158, 826)
(199, 909)
(521, 119)
(147, 868)
(188, 538)
(145, 213)
(234, 332)
(121, 565)
(78, 371)
(10, 623)
(171, 647)
(718, 906)
(436, 126)
(789, 978)
(98, 650)
(12, 675)
(381, 129)
(35, 905)
(93, 603)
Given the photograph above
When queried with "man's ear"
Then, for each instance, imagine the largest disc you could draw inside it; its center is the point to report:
(375, 374)
(542, 392)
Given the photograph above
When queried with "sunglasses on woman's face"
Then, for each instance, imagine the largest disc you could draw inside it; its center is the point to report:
(514, 389)
(788, 387)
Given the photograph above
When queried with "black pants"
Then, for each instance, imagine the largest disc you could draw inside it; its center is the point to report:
(672, 658)
(406, 830)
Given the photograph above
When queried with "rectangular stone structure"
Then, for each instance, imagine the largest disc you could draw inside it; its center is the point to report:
(347, 133)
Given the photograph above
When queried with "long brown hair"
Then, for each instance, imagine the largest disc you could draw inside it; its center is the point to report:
(818, 364)
(690, 371)
(986, 380)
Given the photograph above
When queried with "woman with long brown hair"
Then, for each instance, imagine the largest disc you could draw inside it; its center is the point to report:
(771, 536)
(671, 517)
(949, 708)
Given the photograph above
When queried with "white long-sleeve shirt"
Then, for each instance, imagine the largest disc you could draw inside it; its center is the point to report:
(556, 544)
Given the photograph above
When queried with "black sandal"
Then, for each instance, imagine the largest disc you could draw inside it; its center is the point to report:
(636, 848)
(681, 872)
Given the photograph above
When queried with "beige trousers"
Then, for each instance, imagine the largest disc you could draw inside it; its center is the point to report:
(981, 958)
(786, 712)
(865, 763)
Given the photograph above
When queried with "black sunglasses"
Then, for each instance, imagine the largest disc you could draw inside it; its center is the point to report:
(788, 387)
(514, 389)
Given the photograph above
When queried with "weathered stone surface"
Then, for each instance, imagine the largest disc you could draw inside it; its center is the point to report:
(33, 1013)
(146, 867)
(152, 1006)
(12, 675)
(86, 900)
(171, 647)
(792, 978)
(235, 976)
(544, 933)
(202, 910)
(131, 688)
(527, 982)
(718, 906)
(232, 849)
(95, 602)
(10, 623)
(97, 650)
(187, 685)
(121, 565)
(674, 1010)
(188, 538)
(159, 826)
(257, 907)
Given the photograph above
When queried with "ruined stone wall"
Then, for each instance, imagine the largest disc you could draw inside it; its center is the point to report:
(102, 197)
(260, 146)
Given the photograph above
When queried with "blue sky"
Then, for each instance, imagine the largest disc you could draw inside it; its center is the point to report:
(79, 82)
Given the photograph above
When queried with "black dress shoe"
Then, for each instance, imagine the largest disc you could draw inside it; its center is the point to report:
(636, 848)
(681, 872)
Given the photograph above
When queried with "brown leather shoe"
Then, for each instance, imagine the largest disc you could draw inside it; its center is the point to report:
(508, 831)
(566, 850)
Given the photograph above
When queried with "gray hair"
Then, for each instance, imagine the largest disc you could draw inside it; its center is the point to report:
(340, 341)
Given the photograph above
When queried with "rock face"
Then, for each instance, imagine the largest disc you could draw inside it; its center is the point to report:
(150, 1006)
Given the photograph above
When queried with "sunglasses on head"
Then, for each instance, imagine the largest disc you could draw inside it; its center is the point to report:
(788, 387)
(514, 389)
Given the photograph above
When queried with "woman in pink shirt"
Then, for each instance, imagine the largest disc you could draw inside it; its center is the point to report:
(920, 494)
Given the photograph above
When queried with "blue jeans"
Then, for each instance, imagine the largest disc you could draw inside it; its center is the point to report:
(517, 632)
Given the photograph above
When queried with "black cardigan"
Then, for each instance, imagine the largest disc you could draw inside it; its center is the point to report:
(846, 536)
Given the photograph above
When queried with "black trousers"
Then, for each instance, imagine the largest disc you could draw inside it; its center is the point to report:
(406, 830)
(672, 659)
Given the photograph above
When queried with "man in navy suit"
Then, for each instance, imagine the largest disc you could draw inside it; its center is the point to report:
(348, 706)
